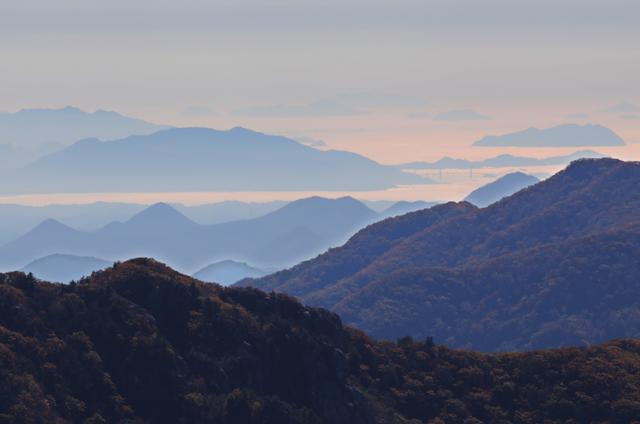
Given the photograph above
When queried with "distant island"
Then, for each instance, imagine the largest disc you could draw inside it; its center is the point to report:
(565, 135)
(201, 159)
(502, 161)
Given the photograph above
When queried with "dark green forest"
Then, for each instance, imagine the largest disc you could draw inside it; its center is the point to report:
(140, 342)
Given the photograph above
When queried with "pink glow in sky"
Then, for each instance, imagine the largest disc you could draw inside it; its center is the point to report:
(373, 77)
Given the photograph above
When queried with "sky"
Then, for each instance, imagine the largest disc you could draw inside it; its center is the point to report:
(396, 80)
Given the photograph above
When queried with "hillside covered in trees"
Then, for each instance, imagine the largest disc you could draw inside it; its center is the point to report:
(141, 343)
(555, 264)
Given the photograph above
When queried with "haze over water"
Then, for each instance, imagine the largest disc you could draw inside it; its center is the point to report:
(395, 81)
(449, 184)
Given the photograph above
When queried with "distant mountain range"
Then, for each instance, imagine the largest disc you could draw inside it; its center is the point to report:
(501, 161)
(228, 272)
(178, 234)
(295, 232)
(54, 128)
(15, 220)
(552, 265)
(65, 268)
(403, 206)
(500, 188)
(565, 135)
(29, 134)
(227, 211)
(201, 159)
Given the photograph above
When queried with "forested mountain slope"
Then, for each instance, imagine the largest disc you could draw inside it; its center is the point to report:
(141, 343)
(390, 283)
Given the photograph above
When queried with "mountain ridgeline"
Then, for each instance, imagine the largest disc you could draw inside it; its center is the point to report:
(500, 188)
(555, 264)
(50, 128)
(299, 230)
(28, 134)
(140, 342)
(65, 268)
(502, 161)
(565, 135)
(16, 220)
(228, 272)
(201, 159)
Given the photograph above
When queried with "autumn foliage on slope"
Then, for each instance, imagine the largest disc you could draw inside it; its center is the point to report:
(142, 343)
(553, 265)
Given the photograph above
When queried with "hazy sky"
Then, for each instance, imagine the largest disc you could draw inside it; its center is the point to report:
(397, 80)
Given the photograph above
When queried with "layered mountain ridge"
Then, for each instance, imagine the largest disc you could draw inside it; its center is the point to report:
(294, 232)
(418, 274)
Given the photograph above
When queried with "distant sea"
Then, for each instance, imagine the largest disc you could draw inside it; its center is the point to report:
(452, 184)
